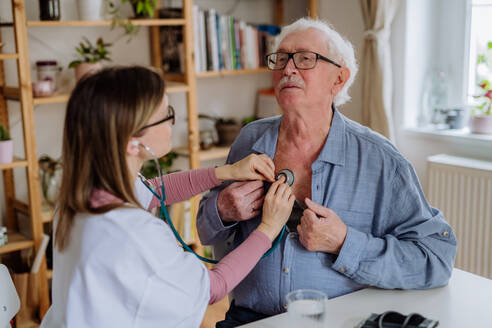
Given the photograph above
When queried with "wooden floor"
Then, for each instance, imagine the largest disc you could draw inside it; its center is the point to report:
(215, 313)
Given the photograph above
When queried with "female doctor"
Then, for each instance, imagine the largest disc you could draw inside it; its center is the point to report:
(115, 264)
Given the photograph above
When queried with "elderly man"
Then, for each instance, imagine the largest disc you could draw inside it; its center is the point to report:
(361, 217)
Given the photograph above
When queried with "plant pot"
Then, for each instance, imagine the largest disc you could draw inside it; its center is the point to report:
(227, 132)
(90, 10)
(86, 68)
(6, 151)
(481, 124)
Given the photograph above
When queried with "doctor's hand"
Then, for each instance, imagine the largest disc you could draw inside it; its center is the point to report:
(321, 229)
(252, 167)
(276, 208)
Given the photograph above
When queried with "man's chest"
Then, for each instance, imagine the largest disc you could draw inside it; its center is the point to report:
(301, 169)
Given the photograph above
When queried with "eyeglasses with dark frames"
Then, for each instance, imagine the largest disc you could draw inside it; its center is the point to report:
(302, 60)
(170, 116)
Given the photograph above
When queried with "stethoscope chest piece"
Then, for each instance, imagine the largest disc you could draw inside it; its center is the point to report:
(288, 174)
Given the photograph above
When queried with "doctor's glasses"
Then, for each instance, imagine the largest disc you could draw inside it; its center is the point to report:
(170, 116)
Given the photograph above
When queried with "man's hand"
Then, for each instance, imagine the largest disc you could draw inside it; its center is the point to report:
(241, 201)
(321, 230)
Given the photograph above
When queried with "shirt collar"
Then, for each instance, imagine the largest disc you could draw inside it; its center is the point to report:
(267, 143)
(333, 151)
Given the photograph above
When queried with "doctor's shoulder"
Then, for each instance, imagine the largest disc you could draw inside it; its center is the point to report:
(143, 229)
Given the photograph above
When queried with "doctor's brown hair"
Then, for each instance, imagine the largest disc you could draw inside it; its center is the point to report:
(104, 111)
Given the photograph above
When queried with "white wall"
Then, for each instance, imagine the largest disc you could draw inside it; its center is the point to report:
(346, 18)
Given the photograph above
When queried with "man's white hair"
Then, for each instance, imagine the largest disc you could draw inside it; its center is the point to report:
(340, 50)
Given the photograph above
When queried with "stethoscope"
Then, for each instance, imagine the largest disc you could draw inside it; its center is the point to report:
(164, 215)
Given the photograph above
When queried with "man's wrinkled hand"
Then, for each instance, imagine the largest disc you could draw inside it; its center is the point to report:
(321, 229)
(241, 201)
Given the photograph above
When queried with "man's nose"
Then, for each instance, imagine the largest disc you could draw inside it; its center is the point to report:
(290, 68)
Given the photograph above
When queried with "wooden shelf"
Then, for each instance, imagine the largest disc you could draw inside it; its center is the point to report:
(232, 72)
(175, 87)
(205, 155)
(16, 242)
(13, 93)
(47, 210)
(56, 98)
(138, 22)
(9, 56)
(16, 163)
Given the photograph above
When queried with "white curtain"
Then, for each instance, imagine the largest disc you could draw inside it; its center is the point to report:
(377, 74)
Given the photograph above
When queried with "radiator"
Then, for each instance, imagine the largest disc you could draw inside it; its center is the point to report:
(462, 189)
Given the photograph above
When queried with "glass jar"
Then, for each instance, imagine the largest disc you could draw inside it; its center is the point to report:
(49, 10)
(47, 70)
(435, 99)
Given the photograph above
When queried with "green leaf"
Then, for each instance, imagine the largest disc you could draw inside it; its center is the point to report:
(140, 7)
(489, 45)
(149, 9)
(481, 59)
(74, 63)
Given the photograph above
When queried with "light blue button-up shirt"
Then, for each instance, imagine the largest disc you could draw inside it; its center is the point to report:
(394, 238)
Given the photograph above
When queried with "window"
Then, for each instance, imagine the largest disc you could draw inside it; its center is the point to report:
(480, 58)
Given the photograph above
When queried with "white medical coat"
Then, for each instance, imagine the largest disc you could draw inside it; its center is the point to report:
(124, 268)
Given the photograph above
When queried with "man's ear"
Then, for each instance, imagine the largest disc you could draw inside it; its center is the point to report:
(342, 78)
(133, 147)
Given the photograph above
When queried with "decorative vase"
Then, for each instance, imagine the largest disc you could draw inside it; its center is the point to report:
(90, 10)
(481, 124)
(86, 68)
(50, 178)
(6, 151)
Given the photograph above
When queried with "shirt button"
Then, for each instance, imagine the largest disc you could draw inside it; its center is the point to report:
(445, 233)
(342, 269)
(286, 270)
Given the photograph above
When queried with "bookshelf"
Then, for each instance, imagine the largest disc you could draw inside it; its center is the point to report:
(185, 84)
(38, 212)
(23, 94)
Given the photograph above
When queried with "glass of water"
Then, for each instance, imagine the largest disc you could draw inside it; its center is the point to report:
(307, 308)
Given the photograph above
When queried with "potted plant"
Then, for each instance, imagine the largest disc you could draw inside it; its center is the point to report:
(142, 8)
(149, 170)
(90, 57)
(6, 146)
(481, 120)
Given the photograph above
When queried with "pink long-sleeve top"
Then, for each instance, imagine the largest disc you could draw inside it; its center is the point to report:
(180, 186)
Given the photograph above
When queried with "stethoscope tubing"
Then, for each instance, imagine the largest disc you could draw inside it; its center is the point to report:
(164, 215)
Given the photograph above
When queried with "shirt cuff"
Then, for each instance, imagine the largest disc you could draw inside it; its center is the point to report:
(213, 212)
(348, 259)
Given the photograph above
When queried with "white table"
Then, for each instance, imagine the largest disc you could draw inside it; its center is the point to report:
(465, 302)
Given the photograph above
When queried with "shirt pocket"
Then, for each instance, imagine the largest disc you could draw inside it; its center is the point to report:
(360, 221)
